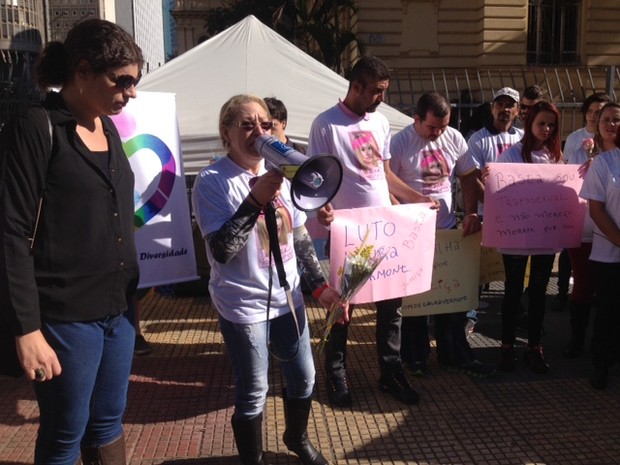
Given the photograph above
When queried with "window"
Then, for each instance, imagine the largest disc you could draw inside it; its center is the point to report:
(553, 30)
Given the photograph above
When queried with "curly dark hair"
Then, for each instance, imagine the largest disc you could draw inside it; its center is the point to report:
(101, 44)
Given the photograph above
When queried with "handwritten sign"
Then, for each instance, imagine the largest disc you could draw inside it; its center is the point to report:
(405, 233)
(532, 206)
(491, 266)
(454, 285)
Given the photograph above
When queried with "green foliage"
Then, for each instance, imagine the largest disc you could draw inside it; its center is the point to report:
(318, 27)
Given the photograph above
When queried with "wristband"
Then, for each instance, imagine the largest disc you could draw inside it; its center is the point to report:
(319, 290)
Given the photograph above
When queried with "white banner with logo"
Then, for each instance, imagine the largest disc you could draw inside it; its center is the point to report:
(149, 131)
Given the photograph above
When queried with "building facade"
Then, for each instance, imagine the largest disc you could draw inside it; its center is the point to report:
(143, 19)
(22, 32)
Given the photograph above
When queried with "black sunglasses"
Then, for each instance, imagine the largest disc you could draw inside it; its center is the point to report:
(124, 81)
(251, 125)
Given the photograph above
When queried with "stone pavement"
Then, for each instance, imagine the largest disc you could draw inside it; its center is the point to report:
(181, 401)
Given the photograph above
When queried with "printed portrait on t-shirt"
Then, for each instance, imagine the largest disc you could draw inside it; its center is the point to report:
(367, 153)
(434, 166)
(285, 227)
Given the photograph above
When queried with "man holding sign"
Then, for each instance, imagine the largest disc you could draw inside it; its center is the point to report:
(424, 155)
(353, 131)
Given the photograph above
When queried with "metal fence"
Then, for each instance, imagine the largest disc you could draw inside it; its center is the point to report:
(467, 89)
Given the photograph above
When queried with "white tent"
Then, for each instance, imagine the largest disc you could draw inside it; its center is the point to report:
(250, 58)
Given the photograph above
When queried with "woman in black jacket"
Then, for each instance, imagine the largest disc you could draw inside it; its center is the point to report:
(68, 258)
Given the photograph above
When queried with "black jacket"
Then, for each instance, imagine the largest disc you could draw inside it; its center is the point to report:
(83, 264)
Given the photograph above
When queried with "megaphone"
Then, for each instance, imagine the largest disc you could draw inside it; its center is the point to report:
(314, 180)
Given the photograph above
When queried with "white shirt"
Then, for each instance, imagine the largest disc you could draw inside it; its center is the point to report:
(602, 183)
(430, 166)
(574, 153)
(362, 143)
(239, 288)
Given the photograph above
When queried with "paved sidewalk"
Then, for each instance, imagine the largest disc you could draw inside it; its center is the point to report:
(181, 400)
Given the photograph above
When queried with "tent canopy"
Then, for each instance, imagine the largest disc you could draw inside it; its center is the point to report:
(247, 58)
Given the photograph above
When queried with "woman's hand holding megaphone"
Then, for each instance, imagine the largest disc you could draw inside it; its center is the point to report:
(266, 188)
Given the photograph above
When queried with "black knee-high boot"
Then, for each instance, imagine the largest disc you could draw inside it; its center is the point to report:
(296, 412)
(249, 438)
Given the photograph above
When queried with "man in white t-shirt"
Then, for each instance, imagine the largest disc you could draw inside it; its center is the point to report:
(487, 144)
(359, 136)
(424, 155)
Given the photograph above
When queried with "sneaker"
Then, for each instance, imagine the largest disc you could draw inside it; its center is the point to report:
(338, 391)
(535, 359)
(397, 384)
(506, 358)
(141, 347)
(417, 368)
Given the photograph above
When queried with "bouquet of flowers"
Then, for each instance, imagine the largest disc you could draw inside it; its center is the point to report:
(357, 268)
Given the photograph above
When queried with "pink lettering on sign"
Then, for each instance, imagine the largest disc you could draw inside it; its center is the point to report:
(532, 206)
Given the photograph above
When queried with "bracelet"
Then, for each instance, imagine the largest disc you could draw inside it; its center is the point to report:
(319, 290)
(254, 199)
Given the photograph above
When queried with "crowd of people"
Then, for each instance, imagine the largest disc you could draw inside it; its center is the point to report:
(64, 175)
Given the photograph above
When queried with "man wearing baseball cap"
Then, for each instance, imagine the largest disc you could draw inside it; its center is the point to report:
(487, 144)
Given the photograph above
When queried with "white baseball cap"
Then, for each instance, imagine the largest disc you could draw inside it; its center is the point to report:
(508, 92)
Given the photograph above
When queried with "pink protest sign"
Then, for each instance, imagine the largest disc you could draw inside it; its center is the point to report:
(532, 206)
(405, 233)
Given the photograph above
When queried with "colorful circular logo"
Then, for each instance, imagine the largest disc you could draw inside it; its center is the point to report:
(160, 197)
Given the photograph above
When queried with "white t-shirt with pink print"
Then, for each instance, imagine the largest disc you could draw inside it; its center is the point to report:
(362, 143)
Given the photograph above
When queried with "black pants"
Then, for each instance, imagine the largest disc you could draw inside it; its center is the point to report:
(540, 272)
(452, 346)
(388, 327)
(606, 329)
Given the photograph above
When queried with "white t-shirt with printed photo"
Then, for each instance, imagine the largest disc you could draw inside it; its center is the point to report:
(602, 183)
(430, 166)
(362, 143)
(239, 288)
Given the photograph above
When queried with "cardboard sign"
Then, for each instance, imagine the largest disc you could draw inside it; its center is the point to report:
(455, 281)
(405, 233)
(533, 206)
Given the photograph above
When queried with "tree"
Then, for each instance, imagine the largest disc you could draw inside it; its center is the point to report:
(318, 27)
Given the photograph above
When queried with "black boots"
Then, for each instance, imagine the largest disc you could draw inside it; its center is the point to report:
(249, 437)
(110, 454)
(296, 412)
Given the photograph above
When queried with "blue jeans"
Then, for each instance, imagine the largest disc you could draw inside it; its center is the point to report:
(85, 404)
(249, 355)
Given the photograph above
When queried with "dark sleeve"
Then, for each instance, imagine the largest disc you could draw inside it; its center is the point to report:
(306, 256)
(232, 236)
(24, 156)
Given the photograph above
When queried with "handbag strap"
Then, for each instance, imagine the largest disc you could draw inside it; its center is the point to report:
(40, 206)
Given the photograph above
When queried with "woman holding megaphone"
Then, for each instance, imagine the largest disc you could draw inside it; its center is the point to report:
(235, 199)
